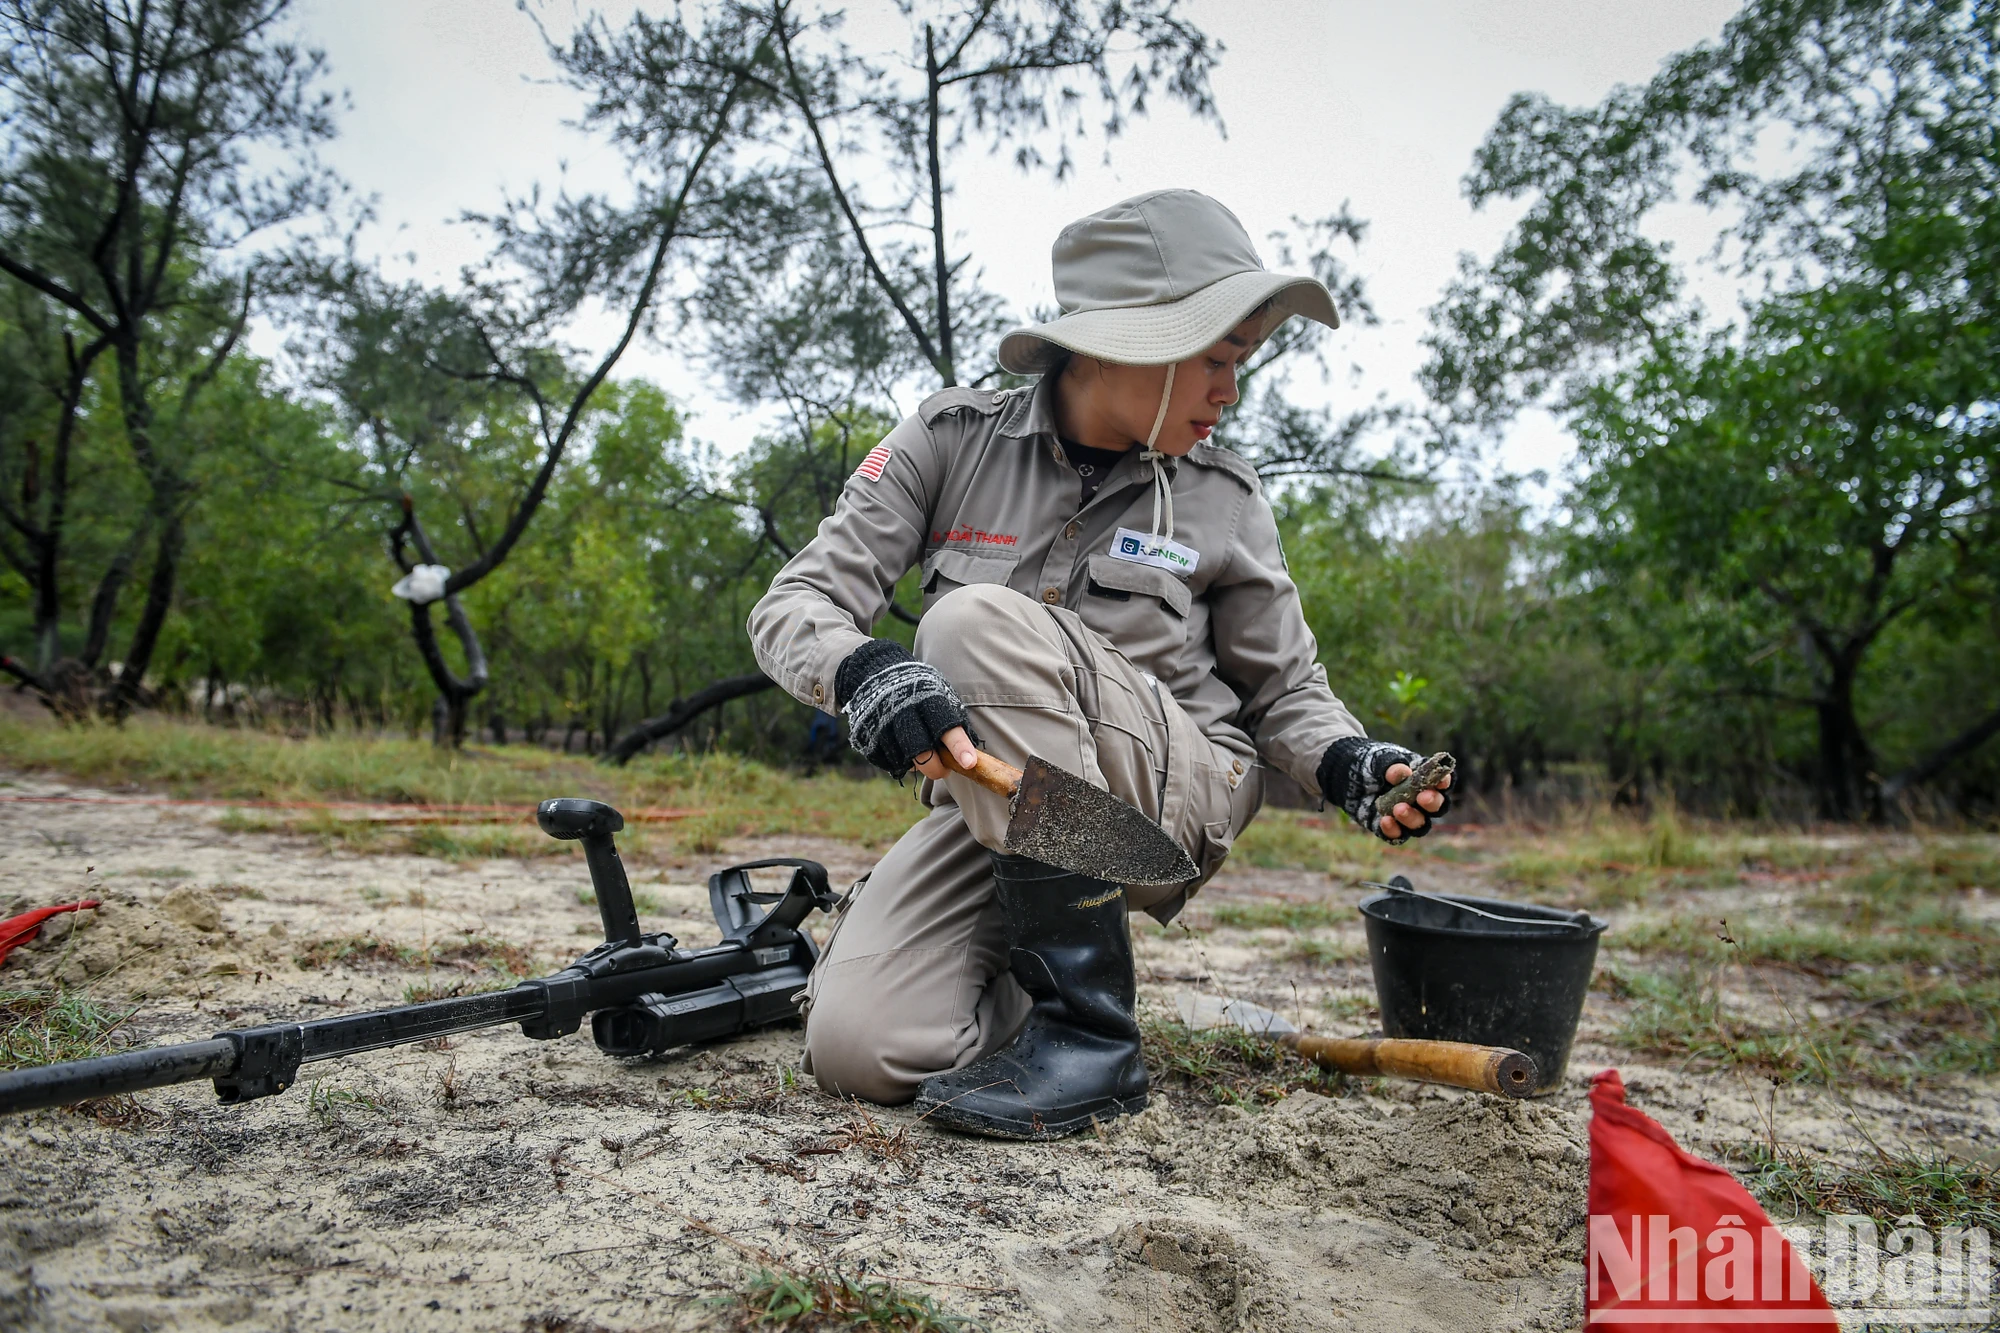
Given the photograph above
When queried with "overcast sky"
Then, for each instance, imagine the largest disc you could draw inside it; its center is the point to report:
(1377, 104)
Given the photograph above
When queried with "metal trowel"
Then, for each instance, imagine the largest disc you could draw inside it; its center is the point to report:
(1058, 818)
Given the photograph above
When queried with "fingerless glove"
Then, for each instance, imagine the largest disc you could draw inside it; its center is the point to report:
(1351, 776)
(897, 707)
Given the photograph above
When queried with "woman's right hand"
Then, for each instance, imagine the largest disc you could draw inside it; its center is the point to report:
(932, 766)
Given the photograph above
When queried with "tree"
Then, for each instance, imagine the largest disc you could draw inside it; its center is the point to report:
(46, 378)
(1025, 75)
(1286, 441)
(681, 103)
(127, 190)
(1826, 465)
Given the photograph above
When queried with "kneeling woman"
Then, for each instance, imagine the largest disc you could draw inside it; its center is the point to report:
(1102, 588)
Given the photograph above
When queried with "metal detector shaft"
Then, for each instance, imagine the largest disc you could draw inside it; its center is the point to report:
(642, 993)
(114, 1075)
(262, 1058)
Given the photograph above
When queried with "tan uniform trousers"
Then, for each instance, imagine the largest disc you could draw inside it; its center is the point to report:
(914, 979)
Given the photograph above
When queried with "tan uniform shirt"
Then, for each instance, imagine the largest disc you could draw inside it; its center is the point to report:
(976, 488)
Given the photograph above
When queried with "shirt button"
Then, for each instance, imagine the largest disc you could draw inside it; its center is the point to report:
(819, 694)
(1236, 767)
(999, 398)
(1052, 595)
(1070, 532)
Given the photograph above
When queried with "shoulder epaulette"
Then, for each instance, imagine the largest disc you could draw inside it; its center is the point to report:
(983, 401)
(1222, 460)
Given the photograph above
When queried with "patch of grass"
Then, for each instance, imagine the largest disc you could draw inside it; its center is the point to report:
(742, 798)
(1298, 840)
(1771, 854)
(1940, 869)
(237, 891)
(45, 1027)
(1932, 1024)
(777, 1297)
(1280, 915)
(1681, 1012)
(1316, 952)
(331, 1105)
(1607, 860)
(760, 1099)
(1900, 1020)
(484, 842)
(1918, 938)
(1939, 1189)
(1920, 985)
(1228, 1066)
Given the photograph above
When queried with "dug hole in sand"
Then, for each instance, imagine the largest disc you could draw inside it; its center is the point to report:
(491, 1182)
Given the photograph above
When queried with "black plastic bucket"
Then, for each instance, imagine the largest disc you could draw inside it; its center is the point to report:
(1453, 968)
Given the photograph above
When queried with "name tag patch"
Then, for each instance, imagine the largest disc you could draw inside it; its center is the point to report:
(1145, 548)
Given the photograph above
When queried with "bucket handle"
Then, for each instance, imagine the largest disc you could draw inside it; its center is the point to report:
(1401, 885)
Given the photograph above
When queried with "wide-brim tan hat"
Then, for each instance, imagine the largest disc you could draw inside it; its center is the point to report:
(1155, 280)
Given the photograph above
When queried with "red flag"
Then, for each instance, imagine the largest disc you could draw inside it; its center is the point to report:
(18, 930)
(1676, 1242)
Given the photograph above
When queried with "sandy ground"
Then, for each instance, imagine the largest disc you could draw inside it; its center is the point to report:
(492, 1182)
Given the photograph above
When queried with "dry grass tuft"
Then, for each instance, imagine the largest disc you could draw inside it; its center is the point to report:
(864, 1132)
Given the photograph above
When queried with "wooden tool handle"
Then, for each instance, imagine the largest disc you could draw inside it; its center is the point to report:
(998, 778)
(1459, 1064)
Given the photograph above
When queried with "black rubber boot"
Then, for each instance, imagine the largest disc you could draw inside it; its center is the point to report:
(1077, 1057)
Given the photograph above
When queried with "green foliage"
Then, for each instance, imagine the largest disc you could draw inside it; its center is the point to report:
(1441, 628)
(1770, 513)
(145, 147)
(1775, 572)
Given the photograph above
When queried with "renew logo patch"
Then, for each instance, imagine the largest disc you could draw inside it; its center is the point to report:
(1145, 548)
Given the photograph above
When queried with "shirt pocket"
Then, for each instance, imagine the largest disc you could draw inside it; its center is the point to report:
(947, 569)
(1143, 611)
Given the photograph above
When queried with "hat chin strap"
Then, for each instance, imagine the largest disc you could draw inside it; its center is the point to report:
(1163, 487)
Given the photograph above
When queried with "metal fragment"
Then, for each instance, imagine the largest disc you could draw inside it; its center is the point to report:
(1427, 775)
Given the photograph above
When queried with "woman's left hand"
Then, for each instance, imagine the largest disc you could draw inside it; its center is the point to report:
(1402, 820)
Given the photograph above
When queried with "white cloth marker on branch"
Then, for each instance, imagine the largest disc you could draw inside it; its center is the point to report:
(424, 583)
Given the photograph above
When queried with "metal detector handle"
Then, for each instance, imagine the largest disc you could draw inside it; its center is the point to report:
(730, 897)
(572, 818)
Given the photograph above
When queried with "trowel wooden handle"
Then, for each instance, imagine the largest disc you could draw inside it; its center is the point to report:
(1459, 1064)
(998, 778)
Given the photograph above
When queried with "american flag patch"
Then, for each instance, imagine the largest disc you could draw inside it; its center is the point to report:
(878, 458)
